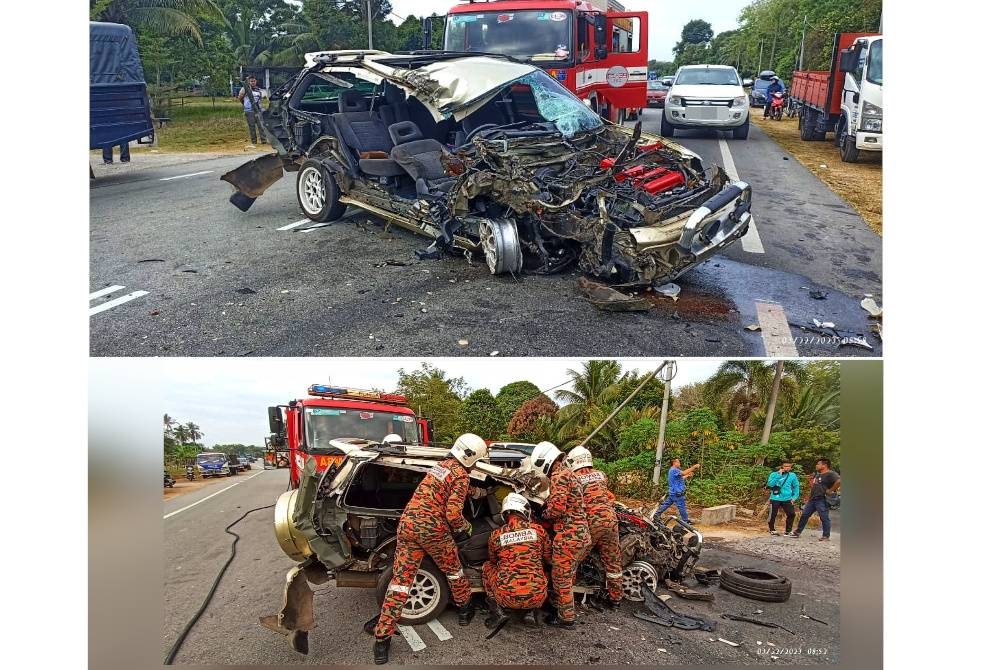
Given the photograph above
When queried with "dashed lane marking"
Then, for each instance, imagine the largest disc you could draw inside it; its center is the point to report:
(774, 330)
(198, 502)
(104, 291)
(185, 176)
(751, 241)
(120, 300)
(294, 225)
(412, 638)
(438, 629)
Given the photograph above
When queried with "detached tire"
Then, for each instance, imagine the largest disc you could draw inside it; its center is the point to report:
(318, 193)
(756, 584)
(429, 594)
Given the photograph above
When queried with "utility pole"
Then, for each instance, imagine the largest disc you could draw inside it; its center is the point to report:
(620, 407)
(671, 371)
(774, 42)
(760, 58)
(772, 402)
(802, 46)
(370, 47)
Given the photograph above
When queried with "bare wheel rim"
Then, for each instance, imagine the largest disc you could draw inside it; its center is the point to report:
(634, 576)
(312, 190)
(501, 246)
(424, 596)
(488, 240)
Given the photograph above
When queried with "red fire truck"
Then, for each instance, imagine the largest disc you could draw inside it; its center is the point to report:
(599, 55)
(305, 427)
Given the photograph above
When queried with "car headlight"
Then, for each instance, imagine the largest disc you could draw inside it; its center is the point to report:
(871, 125)
(868, 109)
(740, 101)
(675, 100)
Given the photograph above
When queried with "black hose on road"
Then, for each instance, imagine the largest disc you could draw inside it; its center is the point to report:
(211, 592)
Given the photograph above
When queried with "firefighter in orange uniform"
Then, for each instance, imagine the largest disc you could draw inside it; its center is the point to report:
(566, 510)
(514, 576)
(430, 525)
(602, 517)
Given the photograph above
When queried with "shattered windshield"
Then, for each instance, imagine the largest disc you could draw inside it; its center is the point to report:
(875, 63)
(327, 423)
(558, 105)
(535, 35)
(708, 75)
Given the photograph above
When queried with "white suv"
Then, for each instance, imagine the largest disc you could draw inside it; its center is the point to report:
(707, 96)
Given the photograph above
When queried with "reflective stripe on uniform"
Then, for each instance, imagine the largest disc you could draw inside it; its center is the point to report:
(457, 575)
(614, 575)
(398, 588)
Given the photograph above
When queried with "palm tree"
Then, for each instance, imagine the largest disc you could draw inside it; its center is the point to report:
(166, 17)
(193, 432)
(181, 434)
(168, 423)
(592, 388)
(741, 389)
(813, 410)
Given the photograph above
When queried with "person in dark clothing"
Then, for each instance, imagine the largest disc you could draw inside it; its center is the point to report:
(108, 156)
(823, 481)
(774, 87)
(784, 485)
(675, 493)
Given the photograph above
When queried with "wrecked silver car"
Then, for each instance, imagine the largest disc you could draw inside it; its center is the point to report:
(341, 525)
(491, 156)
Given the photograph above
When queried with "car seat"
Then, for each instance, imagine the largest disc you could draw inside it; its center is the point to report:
(420, 157)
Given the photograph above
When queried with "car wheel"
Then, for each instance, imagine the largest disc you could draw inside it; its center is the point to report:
(634, 575)
(501, 246)
(743, 131)
(318, 193)
(428, 594)
(756, 584)
(666, 130)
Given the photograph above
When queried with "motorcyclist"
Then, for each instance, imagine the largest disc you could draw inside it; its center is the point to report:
(601, 516)
(774, 87)
(430, 525)
(514, 575)
(565, 508)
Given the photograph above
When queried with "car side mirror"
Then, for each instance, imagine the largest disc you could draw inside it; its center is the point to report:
(848, 60)
(275, 421)
(748, 82)
(277, 440)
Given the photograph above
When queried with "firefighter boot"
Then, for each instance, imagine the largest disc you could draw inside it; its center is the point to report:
(465, 613)
(382, 650)
(554, 619)
(497, 616)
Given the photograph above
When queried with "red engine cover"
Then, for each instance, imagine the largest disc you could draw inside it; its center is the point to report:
(664, 183)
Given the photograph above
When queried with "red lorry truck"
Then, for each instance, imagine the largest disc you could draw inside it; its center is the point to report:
(601, 56)
(846, 99)
(304, 427)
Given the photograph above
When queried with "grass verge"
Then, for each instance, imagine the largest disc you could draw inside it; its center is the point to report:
(203, 127)
(859, 183)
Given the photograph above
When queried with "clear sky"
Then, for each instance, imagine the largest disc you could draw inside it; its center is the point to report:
(666, 17)
(228, 397)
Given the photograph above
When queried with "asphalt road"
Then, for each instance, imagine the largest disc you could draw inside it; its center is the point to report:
(195, 547)
(177, 270)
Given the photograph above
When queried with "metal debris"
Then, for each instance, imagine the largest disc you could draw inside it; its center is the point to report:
(870, 306)
(766, 624)
(818, 295)
(753, 328)
(669, 290)
(608, 299)
(729, 642)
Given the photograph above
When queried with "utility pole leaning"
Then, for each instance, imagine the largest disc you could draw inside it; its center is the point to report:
(671, 371)
(370, 47)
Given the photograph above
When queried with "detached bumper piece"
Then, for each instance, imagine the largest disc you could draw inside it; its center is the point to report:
(723, 219)
(297, 616)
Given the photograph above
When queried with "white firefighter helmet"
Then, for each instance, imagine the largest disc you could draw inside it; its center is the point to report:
(392, 438)
(469, 448)
(515, 502)
(542, 457)
(579, 457)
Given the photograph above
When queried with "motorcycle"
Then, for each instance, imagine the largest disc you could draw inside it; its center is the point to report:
(777, 106)
(189, 473)
(168, 481)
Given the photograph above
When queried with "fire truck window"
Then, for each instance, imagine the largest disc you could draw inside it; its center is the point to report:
(326, 423)
(625, 35)
(376, 486)
(536, 35)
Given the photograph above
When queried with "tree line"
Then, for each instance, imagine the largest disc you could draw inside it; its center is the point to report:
(182, 443)
(770, 36)
(718, 422)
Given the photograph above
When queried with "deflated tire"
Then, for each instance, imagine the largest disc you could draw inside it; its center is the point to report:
(756, 584)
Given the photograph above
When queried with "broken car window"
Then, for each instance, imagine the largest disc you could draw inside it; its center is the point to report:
(559, 106)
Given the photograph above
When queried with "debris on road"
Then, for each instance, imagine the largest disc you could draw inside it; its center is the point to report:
(689, 594)
(753, 327)
(151, 260)
(729, 642)
(670, 290)
(818, 295)
(463, 343)
(494, 353)
(667, 616)
(608, 299)
(707, 576)
(870, 306)
(246, 291)
(766, 624)
(876, 329)
(802, 613)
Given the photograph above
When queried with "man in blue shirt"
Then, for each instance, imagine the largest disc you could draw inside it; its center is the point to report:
(784, 485)
(774, 87)
(675, 495)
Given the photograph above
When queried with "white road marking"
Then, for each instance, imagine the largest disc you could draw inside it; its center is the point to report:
(198, 502)
(185, 176)
(316, 227)
(438, 629)
(294, 225)
(412, 639)
(751, 241)
(774, 330)
(106, 290)
(117, 301)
